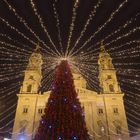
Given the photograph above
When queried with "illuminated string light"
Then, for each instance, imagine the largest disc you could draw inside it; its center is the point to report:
(7, 124)
(115, 40)
(124, 35)
(137, 118)
(13, 49)
(83, 59)
(92, 14)
(17, 42)
(15, 29)
(58, 27)
(132, 110)
(101, 27)
(74, 13)
(25, 24)
(42, 25)
(127, 23)
(130, 93)
(9, 114)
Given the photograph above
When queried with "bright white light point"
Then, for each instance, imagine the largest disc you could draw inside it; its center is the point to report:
(77, 1)
(6, 139)
(102, 129)
(64, 58)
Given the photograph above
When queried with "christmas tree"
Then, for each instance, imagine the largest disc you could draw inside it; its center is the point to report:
(64, 117)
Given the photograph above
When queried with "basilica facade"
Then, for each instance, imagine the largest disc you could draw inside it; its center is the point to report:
(104, 112)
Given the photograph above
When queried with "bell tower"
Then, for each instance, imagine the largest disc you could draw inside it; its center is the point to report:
(114, 123)
(28, 98)
(33, 76)
(107, 73)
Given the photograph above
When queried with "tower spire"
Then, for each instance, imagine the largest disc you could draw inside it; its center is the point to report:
(37, 49)
(102, 47)
(33, 73)
(107, 72)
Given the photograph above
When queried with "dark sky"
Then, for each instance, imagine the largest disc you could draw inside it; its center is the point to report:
(13, 60)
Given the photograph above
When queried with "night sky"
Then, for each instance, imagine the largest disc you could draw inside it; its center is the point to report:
(56, 15)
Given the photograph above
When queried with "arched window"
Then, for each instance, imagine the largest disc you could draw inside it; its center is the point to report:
(25, 109)
(109, 63)
(111, 88)
(83, 111)
(21, 135)
(29, 88)
(40, 110)
(102, 64)
(118, 130)
(100, 111)
(22, 130)
(109, 77)
(102, 130)
(31, 77)
(115, 110)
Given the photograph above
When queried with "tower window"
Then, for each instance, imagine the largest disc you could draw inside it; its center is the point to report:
(40, 110)
(29, 88)
(21, 135)
(111, 88)
(31, 77)
(118, 130)
(83, 111)
(115, 110)
(109, 77)
(102, 64)
(22, 130)
(102, 130)
(100, 111)
(25, 109)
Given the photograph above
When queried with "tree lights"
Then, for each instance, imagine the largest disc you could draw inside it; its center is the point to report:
(63, 117)
(14, 54)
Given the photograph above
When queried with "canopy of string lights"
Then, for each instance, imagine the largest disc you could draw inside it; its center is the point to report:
(69, 30)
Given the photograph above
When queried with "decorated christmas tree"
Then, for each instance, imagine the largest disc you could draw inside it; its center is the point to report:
(64, 117)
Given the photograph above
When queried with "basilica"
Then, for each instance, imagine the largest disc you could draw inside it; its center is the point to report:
(104, 112)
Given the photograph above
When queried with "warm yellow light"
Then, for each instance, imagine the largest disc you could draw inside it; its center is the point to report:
(64, 58)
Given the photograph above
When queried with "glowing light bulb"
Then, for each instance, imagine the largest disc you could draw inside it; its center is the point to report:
(102, 129)
(22, 138)
(64, 58)
(50, 126)
(75, 106)
(77, 1)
